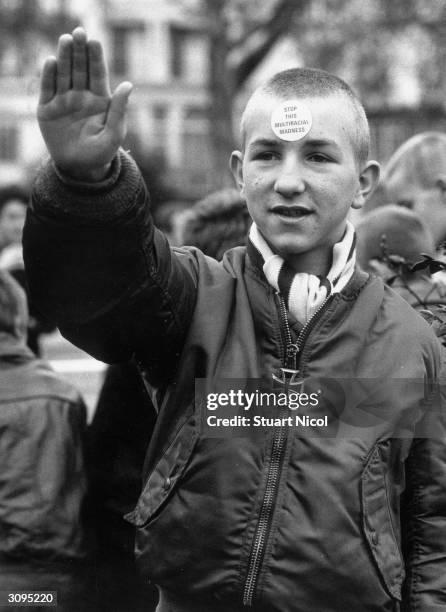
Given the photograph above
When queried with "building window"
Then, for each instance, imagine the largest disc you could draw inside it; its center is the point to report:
(189, 55)
(120, 52)
(128, 43)
(8, 143)
(159, 131)
(159, 112)
(178, 38)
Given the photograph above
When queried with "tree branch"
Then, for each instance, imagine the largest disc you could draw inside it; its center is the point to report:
(280, 23)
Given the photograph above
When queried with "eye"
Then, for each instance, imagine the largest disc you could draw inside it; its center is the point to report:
(266, 155)
(318, 158)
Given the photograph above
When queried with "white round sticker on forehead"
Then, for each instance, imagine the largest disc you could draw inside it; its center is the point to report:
(291, 120)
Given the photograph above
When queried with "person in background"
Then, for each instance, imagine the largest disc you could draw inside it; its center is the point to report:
(42, 475)
(391, 239)
(217, 223)
(415, 178)
(13, 205)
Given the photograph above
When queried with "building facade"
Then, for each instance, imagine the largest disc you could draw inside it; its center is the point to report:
(159, 45)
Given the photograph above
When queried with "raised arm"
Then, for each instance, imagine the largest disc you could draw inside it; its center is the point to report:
(96, 265)
(82, 123)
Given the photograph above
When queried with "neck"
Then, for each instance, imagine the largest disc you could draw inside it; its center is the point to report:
(311, 263)
(322, 260)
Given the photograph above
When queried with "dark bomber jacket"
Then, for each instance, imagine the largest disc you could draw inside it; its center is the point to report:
(280, 522)
(42, 475)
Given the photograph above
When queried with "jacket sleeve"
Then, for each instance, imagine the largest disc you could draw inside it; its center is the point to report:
(99, 269)
(424, 512)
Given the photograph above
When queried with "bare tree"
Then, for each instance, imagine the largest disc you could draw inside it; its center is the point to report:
(365, 43)
(241, 34)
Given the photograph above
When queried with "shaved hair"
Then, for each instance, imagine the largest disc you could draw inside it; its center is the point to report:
(420, 160)
(312, 83)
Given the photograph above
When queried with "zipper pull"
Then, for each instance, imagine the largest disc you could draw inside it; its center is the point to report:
(292, 350)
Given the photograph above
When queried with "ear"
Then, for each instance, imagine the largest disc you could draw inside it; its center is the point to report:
(236, 166)
(368, 181)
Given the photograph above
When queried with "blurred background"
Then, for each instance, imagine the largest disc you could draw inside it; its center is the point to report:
(194, 63)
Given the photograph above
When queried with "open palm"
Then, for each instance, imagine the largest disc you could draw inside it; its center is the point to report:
(83, 124)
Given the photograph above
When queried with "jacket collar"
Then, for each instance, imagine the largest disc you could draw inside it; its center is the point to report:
(255, 266)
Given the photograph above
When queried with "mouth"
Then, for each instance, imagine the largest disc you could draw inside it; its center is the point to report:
(291, 212)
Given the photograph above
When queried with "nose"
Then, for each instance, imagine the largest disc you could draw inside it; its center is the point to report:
(290, 180)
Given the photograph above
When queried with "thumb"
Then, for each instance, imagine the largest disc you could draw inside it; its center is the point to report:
(118, 105)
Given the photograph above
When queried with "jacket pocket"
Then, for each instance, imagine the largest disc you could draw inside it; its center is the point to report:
(165, 475)
(377, 524)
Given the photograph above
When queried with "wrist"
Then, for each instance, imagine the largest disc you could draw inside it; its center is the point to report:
(86, 175)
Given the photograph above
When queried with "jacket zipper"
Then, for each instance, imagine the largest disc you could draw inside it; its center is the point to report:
(309, 325)
(290, 361)
(291, 349)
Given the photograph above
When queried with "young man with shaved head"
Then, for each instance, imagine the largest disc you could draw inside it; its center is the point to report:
(415, 177)
(347, 517)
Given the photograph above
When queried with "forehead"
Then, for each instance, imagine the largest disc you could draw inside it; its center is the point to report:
(333, 118)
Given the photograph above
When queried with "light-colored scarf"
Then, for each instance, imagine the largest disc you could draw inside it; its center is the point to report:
(305, 293)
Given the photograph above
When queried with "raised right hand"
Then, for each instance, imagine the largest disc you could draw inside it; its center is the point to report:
(82, 123)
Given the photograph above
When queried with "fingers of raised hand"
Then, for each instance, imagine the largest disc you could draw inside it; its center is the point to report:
(64, 60)
(99, 82)
(81, 64)
(118, 105)
(80, 59)
(48, 80)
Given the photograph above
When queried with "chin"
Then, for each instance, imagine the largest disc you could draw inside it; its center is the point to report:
(287, 248)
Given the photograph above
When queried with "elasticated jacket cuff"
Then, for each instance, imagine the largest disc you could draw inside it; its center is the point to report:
(57, 194)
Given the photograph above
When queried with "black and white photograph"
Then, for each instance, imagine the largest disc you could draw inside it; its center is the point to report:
(223, 305)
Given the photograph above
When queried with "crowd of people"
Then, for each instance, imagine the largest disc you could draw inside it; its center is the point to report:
(69, 491)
